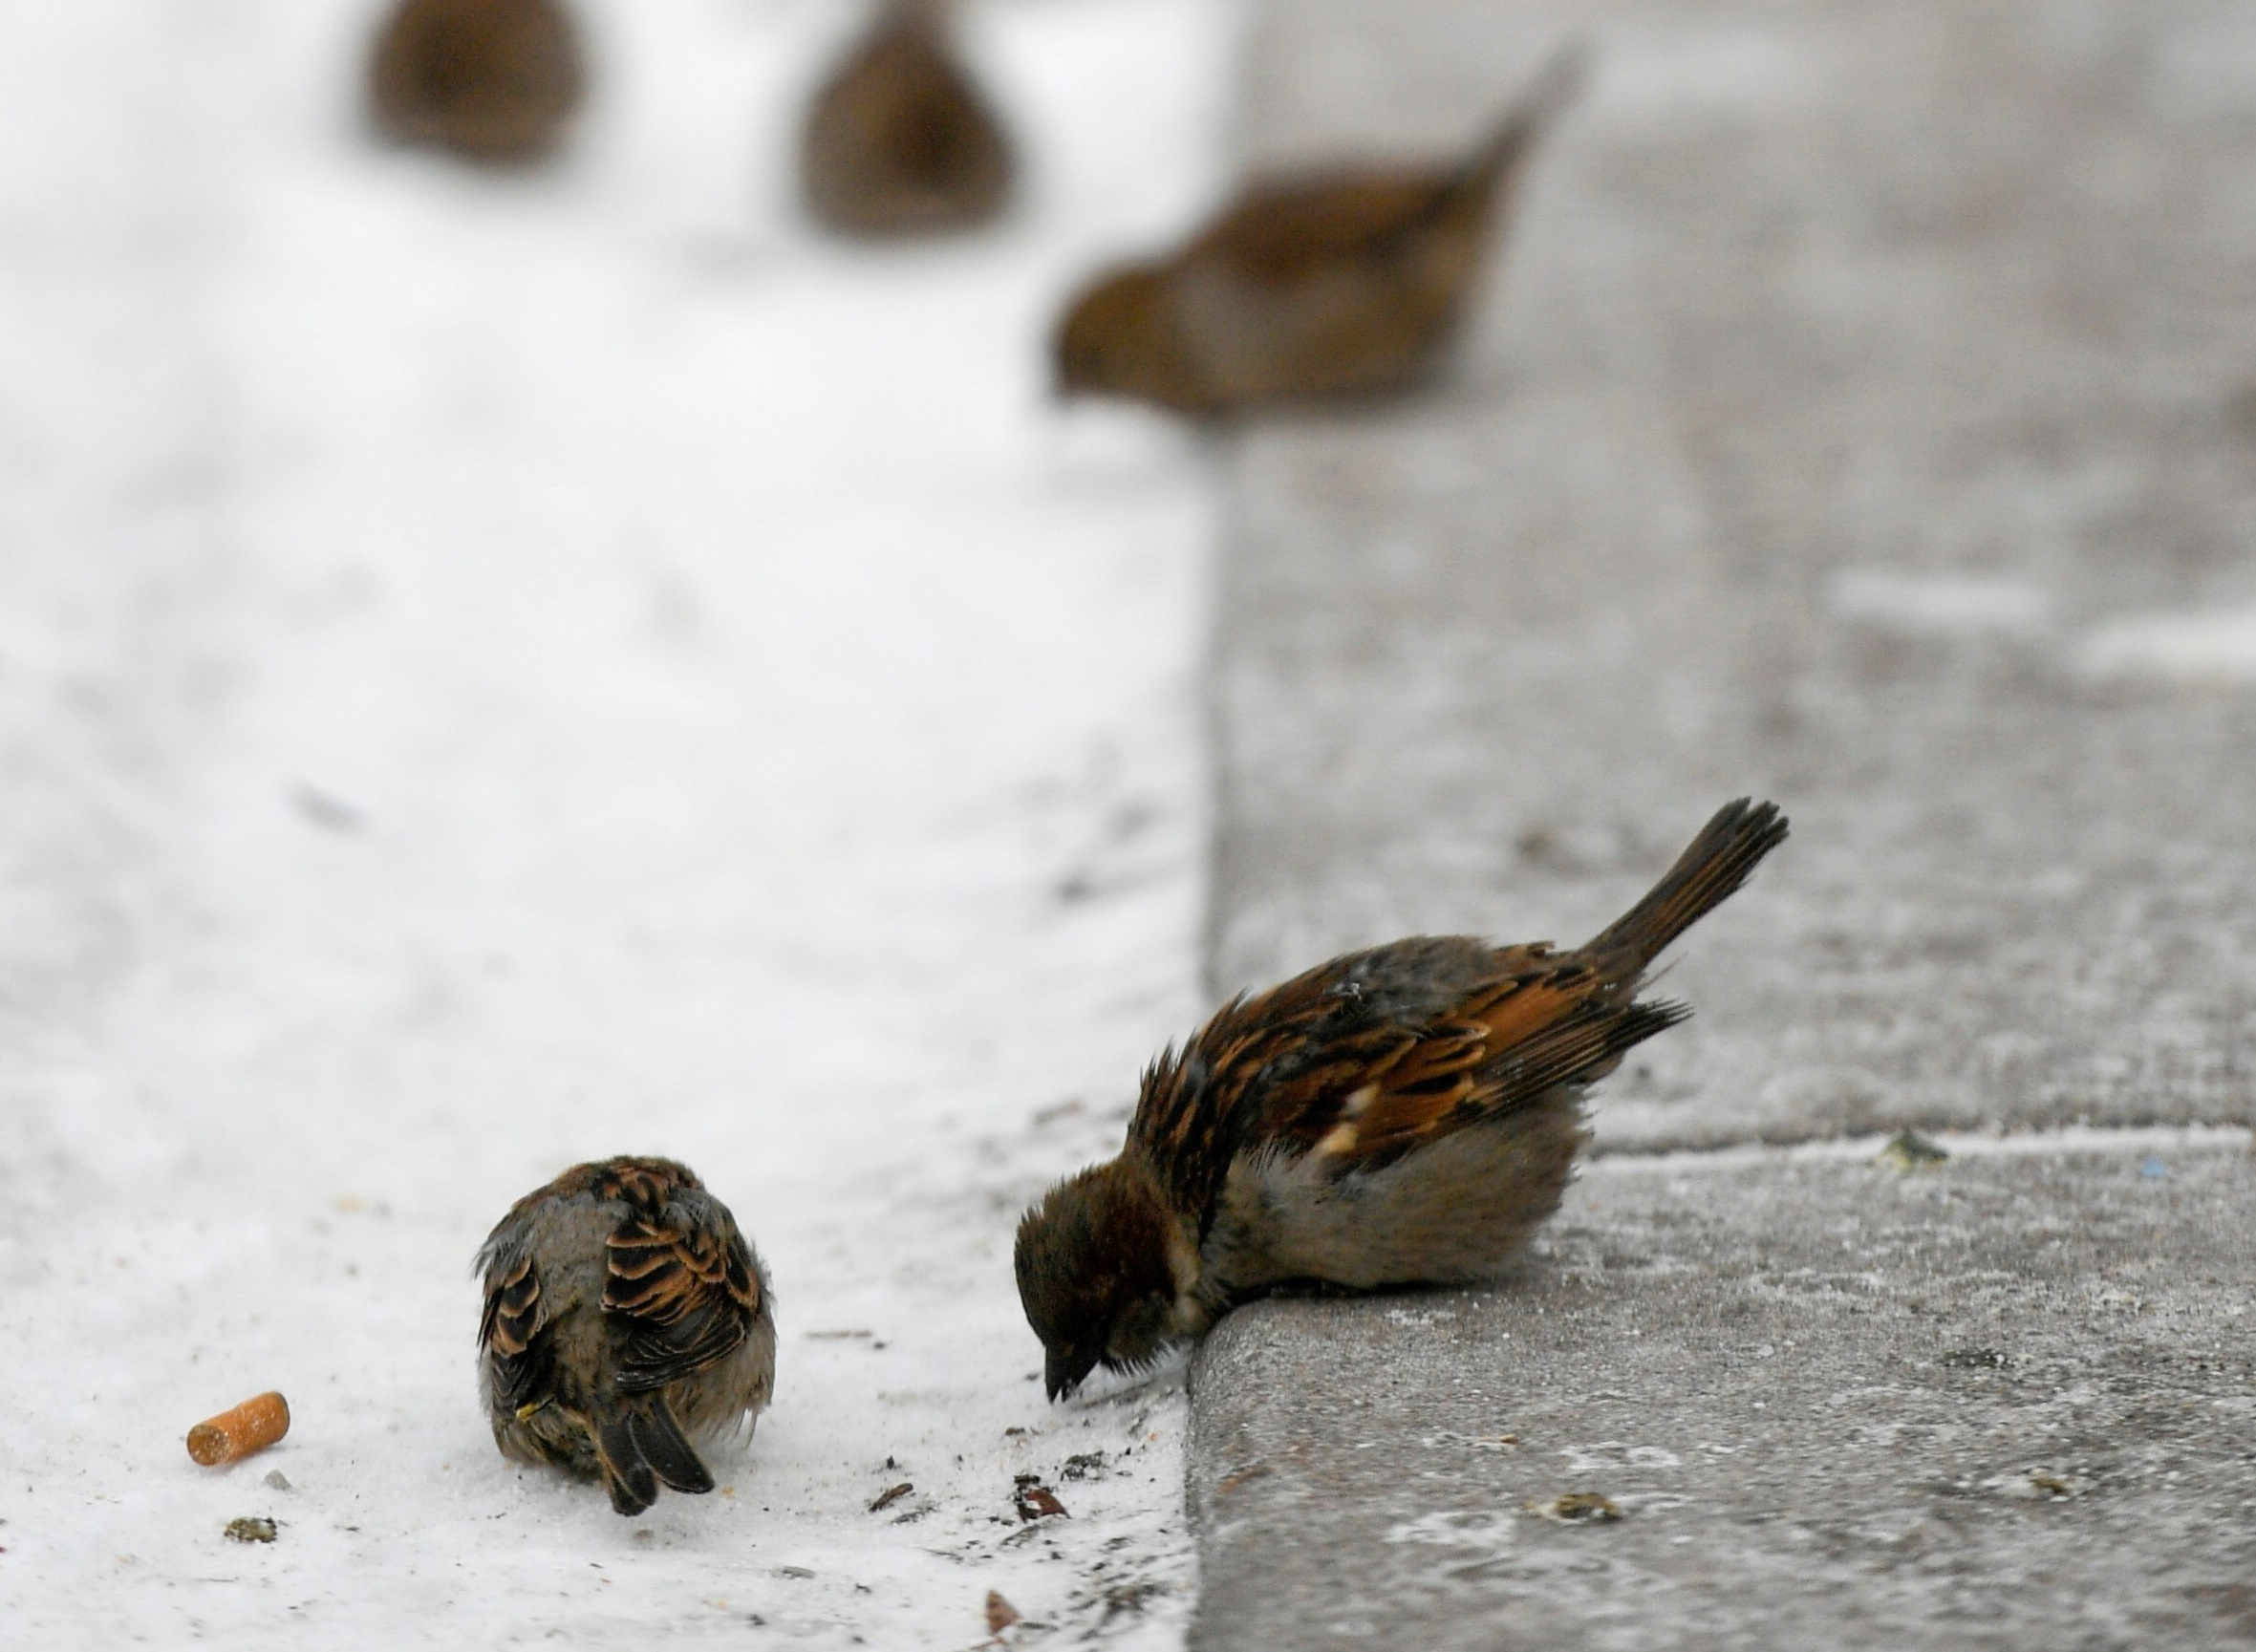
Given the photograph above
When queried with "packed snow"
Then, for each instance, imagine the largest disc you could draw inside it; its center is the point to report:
(502, 670)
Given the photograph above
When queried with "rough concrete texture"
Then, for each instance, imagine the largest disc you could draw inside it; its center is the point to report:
(2005, 1403)
(1864, 416)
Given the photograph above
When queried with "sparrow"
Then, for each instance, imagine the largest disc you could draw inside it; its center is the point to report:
(624, 1314)
(493, 81)
(1347, 281)
(899, 141)
(1408, 1114)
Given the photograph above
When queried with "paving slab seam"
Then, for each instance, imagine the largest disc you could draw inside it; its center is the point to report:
(1956, 1143)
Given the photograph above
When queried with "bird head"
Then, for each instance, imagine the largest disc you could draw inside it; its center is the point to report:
(1118, 338)
(1094, 1274)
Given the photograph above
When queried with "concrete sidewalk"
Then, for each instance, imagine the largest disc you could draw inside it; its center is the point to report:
(1865, 417)
(2006, 1402)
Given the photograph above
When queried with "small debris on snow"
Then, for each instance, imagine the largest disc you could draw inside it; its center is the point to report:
(1000, 1613)
(1128, 1598)
(1976, 1359)
(1036, 1501)
(1083, 1465)
(1580, 1508)
(332, 814)
(259, 1422)
(279, 1481)
(1909, 1150)
(2033, 1485)
(890, 1495)
(251, 1528)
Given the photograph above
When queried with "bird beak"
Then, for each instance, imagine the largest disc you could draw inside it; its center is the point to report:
(1062, 1369)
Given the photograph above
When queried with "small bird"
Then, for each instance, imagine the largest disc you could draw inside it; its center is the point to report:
(624, 1314)
(1343, 282)
(493, 81)
(899, 141)
(1402, 1115)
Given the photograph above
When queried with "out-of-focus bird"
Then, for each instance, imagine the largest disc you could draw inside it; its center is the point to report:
(1408, 1114)
(1346, 281)
(624, 1316)
(899, 141)
(493, 81)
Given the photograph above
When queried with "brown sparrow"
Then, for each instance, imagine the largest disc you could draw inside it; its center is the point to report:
(494, 80)
(624, 1313)
(899, 141)
(1407, 1114)
(1340, 281)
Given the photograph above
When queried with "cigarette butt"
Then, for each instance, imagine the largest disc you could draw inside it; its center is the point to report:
(251, 1426)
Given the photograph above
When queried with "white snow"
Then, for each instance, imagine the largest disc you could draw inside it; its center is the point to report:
(501, 672)
(2217, 646)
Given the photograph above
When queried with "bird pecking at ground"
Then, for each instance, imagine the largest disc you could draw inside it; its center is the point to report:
(1351, 280)
(1409, 1114)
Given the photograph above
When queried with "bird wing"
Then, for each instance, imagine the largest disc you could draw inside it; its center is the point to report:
(678, 1283)
(1515, 1041)
(1367, 1058)
(510, 1327)
(1286, 230)
(1190, 1112)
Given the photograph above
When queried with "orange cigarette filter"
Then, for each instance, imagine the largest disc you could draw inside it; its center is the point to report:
(251, 1426)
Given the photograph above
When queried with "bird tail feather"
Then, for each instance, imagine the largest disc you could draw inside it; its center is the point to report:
(1708, 873)
(1555, 87)
(641, 1447)
(674, 1458)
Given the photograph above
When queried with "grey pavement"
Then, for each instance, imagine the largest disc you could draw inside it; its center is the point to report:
(1854, 373)
(1864, 416)
(2006, 1402)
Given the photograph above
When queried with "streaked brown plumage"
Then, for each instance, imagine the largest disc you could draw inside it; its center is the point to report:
(1342, 281)
(624, 1316)
(1402, 1115)
(493, 81)
(899, 141)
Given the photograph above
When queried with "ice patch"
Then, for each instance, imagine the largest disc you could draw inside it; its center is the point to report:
(1938, 605)
(1419, 1316)
(2217, 646)
(1617, 1455)
(1456, 1529)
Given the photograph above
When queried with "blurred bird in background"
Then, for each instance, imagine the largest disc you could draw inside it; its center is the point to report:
(493, 81)
(1338, 282)
(1408, 1114)
(624, 1316)
(900, 141)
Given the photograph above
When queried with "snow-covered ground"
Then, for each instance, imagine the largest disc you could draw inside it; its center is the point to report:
(500, 671)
